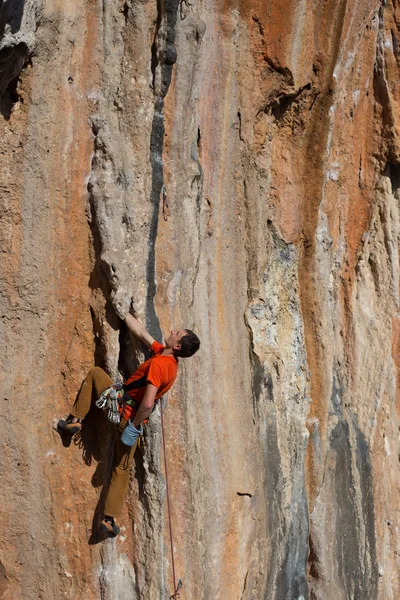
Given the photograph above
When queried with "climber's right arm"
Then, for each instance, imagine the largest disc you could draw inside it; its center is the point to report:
(139, 330)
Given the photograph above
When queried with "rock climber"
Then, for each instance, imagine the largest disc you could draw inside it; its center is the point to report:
(150, 381)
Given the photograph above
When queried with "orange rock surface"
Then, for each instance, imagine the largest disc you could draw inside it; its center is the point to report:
(232, 168)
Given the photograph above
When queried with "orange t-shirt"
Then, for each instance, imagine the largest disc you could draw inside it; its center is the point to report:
(159, 370)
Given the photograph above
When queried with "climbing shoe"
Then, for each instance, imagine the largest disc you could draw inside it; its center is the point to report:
(108, 526)
(69, 426)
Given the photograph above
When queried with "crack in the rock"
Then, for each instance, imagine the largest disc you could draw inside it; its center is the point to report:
(12, 61)
(244, 585)
(283, 102)
(164, 58)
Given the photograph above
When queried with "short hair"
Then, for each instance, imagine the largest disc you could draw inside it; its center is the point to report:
(189, 343)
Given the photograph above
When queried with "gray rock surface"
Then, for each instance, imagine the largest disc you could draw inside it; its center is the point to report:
(232, 168)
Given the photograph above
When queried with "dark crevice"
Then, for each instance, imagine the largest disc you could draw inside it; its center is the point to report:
(360, 183)
(157, 144)
(9, 98)
(12, 60)
(156, 148)
(393, 172)
(11, 13)
(125, 11)
(239, 115)
(245, 494)
(244, 585)
(154, 49)
(313, 562)
(283, 102)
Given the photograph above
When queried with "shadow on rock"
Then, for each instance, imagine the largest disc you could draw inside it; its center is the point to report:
(66, 438)
(96, 440)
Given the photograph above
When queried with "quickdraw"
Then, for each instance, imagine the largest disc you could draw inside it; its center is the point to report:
(109, 400)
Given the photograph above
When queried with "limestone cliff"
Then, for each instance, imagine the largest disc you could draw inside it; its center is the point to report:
(232, 167)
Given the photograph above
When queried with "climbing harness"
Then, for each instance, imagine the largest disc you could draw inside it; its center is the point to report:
(175, 595)
(140, 442)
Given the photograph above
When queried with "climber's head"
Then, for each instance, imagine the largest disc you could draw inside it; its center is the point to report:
(183, 342)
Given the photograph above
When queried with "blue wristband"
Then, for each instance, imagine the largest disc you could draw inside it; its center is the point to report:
(130, 434)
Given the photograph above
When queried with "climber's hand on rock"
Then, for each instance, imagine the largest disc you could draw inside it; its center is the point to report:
(120, 305)
(133, 310)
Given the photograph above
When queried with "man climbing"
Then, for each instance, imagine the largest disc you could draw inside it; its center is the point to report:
(150, 381)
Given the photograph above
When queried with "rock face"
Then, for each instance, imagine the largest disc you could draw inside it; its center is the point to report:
(233, 168)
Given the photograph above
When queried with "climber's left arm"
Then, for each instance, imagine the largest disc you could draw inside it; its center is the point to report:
(139, 330)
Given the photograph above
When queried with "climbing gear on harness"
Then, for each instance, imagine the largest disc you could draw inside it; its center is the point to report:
(68, 426)
(130, 434)
(108, 526)
(116, 396)
(175, 595)
(109, 399)
(140, 442)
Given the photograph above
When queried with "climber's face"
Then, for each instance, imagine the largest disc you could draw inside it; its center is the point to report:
(174, 338)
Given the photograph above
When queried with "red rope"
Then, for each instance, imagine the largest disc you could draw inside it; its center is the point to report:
(175, 595)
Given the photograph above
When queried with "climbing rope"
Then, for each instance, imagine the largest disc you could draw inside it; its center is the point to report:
(175, 595)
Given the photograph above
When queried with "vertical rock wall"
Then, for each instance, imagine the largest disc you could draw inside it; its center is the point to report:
(231, 167)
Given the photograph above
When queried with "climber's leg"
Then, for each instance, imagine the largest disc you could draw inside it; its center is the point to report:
(120, 475)
(96, 378)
